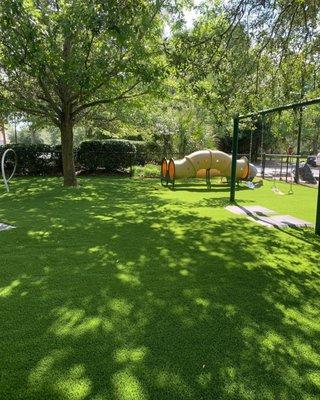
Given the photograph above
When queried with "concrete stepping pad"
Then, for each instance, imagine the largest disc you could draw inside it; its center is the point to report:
(268, 218)
(5, 227)
(247, 210)
(289, 221)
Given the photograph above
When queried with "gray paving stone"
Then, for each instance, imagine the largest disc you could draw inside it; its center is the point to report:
(4, 227)
(288, 220)
(247, 210)
(268, 218)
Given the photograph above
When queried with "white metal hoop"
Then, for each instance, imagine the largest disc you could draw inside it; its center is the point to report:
(5, 179)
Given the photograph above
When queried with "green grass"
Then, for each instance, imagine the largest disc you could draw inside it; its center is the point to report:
(124, 290)
(146, 171)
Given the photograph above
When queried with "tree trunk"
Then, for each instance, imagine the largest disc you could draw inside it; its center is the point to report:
(33, 135)
(66, 129)
(2, 130)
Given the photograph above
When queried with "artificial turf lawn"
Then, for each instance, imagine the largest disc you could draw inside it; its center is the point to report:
(125, 290)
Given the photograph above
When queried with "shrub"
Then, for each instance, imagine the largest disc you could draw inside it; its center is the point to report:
(89, 155)
(118, 154)
(56, 159)
(147, 152)
(154, 152)
(111, 154)
(146, 171)
(35, 159)
(142, 155)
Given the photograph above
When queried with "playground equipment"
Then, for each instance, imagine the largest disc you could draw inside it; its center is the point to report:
(281, 163)
(262, 113)
(205, 164)
(3, 159)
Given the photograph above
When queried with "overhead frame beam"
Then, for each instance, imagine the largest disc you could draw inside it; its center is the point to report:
(281, 108)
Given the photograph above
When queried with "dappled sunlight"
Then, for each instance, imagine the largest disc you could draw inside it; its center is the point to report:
(6, 291)
(133, 355)
(127, 386)
(73, 322)
(305, 317)
(39, 234)
(172, 381)
(68, 383)
(118, 291)
(128, 278)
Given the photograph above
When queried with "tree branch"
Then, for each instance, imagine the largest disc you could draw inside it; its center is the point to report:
(121, 96)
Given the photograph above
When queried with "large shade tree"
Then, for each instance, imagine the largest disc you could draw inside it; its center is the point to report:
(59, 59)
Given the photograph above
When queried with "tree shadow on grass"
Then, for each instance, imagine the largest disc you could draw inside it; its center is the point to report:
(192, 186)
(306, 235)
(108, 293)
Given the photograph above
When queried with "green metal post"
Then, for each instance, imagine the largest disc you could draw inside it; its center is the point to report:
(296, 177)
(318, 209)
(234, 158)
(263, 122)
(250, 153)
(263, 165)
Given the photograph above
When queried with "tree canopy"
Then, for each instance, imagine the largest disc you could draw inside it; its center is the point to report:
(60, 59)
(109, 67)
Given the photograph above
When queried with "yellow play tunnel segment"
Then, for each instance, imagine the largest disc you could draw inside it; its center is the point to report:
(217, 162)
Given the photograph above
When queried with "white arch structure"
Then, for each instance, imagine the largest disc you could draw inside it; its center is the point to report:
(3, 159)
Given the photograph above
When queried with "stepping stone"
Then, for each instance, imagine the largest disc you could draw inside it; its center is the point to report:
(268, 222)
(247, 210)
(268, 218)
(5, 227)
(289, 221)
(281, 221)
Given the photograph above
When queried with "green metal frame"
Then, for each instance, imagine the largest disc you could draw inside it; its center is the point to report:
(208, 179)
(164, 178)
(169, 180)
(236, 120)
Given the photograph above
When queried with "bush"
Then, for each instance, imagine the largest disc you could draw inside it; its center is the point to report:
(154, 152)
(89, 155)
(147, 152)
(111, 154)
(146, 171)
(35, 159)
(56, 159)
(118, 154)
(142, 156)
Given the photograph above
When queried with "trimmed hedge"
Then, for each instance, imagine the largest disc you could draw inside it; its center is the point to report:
(89, 155)
(35, 159)
(142, 156)
(110, 154)
(118, 154)
(147, 152)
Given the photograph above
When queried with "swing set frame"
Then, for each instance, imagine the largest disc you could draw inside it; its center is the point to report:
(236, 121)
